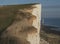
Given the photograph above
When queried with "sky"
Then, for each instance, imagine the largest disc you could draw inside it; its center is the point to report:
(50, 8)
(5, 2)
(50, 2)
(43, 2)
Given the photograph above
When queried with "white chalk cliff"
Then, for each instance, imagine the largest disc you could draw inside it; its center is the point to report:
(26, 28)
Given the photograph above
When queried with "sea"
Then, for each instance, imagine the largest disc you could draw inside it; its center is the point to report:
(51, 21)
(54, 22)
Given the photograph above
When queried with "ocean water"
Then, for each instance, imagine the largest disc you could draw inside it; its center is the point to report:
(51, 21)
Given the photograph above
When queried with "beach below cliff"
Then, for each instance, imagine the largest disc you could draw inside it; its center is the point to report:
(50, 34)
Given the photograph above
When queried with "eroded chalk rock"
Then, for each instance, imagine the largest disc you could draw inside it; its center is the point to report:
(19, 30)
(25, 28)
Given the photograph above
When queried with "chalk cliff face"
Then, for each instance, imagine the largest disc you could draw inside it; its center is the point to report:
(35, 38)
(25, 28)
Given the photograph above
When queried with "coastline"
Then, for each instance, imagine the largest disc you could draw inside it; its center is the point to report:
(48, 34)
(51, 29)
